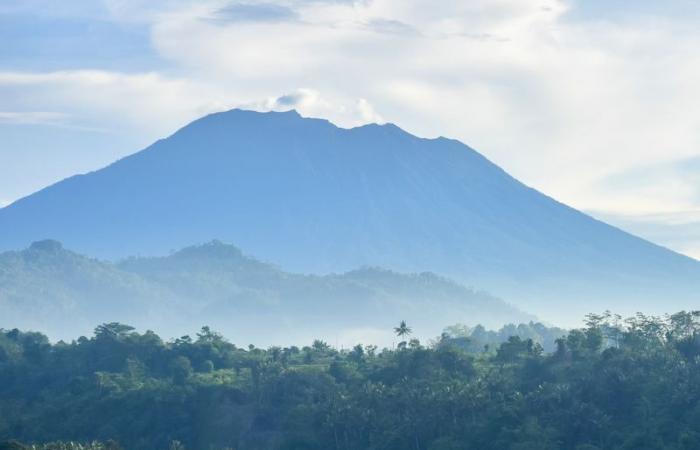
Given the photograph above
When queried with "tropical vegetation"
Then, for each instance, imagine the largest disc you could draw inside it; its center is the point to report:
(614, 384)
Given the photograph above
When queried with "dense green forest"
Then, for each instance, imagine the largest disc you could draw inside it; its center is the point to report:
(615, 384)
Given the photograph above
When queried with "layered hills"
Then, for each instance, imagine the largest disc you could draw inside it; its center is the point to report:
(47, 287)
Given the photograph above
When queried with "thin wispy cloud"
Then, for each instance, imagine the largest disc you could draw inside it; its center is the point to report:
(33, 117)
(253, 12)
(392, 27)
(46, 118)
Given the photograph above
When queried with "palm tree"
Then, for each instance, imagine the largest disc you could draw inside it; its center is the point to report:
(402, 329)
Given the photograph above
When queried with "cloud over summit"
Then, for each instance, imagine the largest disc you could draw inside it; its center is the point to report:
(563, 93)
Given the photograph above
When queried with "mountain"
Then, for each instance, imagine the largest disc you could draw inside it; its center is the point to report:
(316, 198)
(55, 290)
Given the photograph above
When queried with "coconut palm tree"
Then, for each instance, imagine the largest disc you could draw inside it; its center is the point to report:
(403, 329)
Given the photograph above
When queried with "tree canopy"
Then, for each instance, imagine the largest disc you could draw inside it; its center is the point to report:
(615, 384)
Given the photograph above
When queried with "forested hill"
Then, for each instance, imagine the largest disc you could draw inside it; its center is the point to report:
(216, 284)
(615, 385)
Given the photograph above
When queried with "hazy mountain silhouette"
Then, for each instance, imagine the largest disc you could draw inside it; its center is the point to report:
(49, 288)
(316, 198)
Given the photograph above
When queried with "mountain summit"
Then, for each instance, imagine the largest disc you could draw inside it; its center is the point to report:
(312, 197)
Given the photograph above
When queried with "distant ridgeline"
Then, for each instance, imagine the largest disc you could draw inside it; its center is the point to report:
(51, 289)
(614, 385)
(315, 198)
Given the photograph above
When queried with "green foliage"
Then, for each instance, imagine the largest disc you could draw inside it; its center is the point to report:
(480, 339)
(616, 384)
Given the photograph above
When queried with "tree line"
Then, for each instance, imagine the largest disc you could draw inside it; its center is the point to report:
(614, 384)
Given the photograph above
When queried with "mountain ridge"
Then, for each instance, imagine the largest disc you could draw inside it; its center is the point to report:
(313, 197)
(216, 284)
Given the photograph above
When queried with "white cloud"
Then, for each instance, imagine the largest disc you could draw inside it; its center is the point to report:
(152, 104)
(145, 103)
(310, 103)
(562, 100)
(367, 112)
(45, 118)
(33, 117)
(251, 12)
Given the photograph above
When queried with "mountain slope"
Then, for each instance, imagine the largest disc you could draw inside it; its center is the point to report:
(313, 197)
(49, 288)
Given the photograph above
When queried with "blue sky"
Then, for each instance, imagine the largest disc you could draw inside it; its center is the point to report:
(594, 102)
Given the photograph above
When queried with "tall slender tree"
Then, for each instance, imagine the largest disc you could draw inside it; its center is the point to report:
(403, 329)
